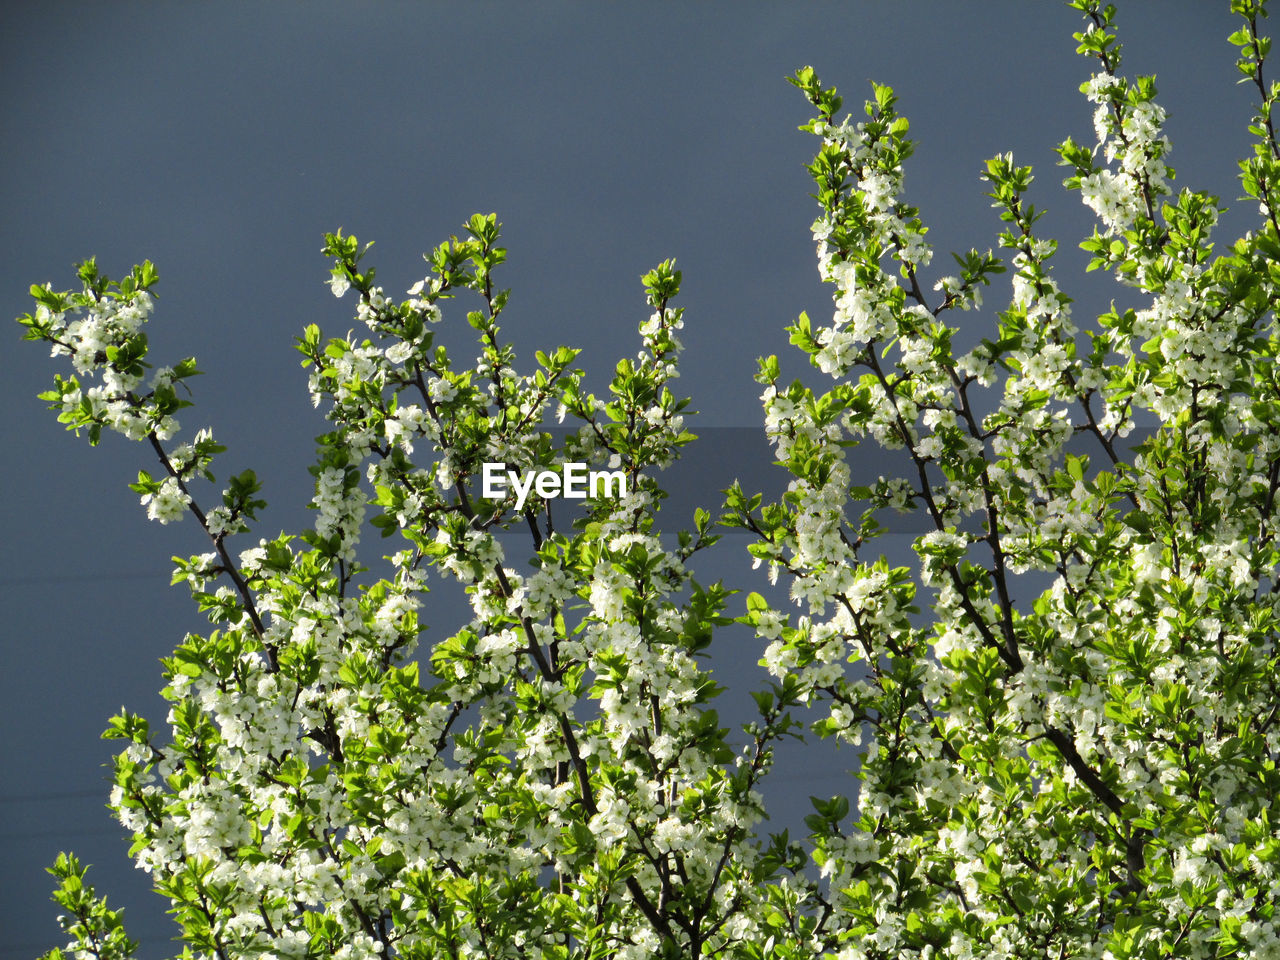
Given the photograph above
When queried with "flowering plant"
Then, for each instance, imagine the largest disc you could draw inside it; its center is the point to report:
(1092, 774)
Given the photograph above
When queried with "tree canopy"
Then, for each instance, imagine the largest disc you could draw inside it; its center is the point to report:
(1091, 773)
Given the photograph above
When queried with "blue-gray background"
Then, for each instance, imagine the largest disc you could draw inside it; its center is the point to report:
(221, 141)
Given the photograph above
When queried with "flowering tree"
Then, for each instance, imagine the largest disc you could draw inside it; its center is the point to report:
(319, 795)
(1091, 774)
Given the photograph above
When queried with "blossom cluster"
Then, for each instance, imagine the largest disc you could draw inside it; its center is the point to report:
(548, 771)
(1107, 741)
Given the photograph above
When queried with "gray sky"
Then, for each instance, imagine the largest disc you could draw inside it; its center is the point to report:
(222, 140)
